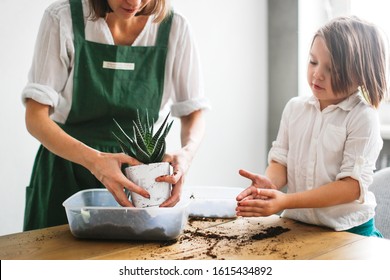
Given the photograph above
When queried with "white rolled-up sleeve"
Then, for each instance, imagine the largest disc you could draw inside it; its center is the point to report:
(50, 67)
(361, 150)
(186, 76)
(40, 93)
(279, 149)
(187, 107)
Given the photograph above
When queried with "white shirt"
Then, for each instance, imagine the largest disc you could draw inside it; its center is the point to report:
(50, 79)
(319, 147)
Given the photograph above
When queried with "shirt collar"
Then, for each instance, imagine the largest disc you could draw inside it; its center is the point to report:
(346, 105)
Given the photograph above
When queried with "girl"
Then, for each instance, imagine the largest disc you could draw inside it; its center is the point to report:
(328, 143)
(96, 60)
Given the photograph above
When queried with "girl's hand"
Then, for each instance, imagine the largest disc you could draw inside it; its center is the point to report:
(180, 162)
(258, 181)
(107, 169)
(261, 202)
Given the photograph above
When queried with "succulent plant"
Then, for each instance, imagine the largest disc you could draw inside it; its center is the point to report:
(143, 145)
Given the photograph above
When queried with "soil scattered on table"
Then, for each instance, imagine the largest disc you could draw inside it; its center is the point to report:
(270, 232)
(216, 242)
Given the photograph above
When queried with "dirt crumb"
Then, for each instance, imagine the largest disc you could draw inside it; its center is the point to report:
(269, 233)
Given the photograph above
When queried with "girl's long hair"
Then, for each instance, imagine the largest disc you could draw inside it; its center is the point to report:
(358, 53)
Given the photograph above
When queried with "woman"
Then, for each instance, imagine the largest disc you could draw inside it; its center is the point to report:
(96, 60)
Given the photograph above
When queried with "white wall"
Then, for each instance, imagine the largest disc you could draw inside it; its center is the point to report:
(232, 42)
(18, 28)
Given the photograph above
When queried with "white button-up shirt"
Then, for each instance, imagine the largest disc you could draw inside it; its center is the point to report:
(319, 147)
(50, 80)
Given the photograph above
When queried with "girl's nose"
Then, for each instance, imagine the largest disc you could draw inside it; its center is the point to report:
(318, 75)
(134, 3)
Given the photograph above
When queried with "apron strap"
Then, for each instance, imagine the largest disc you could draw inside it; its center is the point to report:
(164, 30)
(76, 8)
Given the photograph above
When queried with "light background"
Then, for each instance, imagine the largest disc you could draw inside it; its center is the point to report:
(233, 38)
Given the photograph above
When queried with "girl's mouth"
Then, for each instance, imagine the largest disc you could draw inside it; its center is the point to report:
(130, 11)
(317, 87)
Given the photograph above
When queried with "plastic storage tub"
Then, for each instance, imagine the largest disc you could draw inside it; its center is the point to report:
(95, 214)
(212, 201)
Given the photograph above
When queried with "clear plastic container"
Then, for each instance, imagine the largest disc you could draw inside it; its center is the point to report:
(212, 201)
(94, 214)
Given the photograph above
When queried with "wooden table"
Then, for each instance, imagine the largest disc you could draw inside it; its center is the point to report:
(241, 238)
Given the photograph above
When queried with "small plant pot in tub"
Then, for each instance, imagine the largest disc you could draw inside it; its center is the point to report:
(149, 149)
(144, 175)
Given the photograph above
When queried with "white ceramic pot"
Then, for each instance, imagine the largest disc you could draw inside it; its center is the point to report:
(145, 175)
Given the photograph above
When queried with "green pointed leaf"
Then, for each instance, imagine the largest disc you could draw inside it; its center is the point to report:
(123, 132)
(140, 139)
(138, 123)
(143, 145)
(127, 149)
(159, 153)
(141, 155)
(149, 126)
(161, 141)
(157, 135)
(128, 138)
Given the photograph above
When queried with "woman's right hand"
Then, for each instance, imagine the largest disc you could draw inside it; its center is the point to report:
(106, 168)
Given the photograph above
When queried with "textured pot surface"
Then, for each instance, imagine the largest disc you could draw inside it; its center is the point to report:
(145, 176)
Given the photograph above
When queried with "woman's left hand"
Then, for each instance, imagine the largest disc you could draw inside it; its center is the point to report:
(180, 163)
(192, 130)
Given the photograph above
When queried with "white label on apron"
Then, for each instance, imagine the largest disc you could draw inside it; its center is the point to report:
(118, 65)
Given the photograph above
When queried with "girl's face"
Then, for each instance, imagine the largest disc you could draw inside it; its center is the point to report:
(126, 9)
(319, 75)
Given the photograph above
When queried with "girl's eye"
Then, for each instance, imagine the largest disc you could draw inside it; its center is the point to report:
(312, 62)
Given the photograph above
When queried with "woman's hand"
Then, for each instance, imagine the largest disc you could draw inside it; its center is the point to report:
(107, 169)
(192, 131)
(261, 202)
(180, 162)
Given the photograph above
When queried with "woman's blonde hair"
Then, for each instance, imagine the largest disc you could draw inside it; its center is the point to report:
(358, 53)
(158, 8)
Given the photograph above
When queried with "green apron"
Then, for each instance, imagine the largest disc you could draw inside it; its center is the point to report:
(109, 82)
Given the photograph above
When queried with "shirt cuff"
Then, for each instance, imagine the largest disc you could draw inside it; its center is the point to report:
(357, 174)
(185, 108)
(277, 154)
(40, 93)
